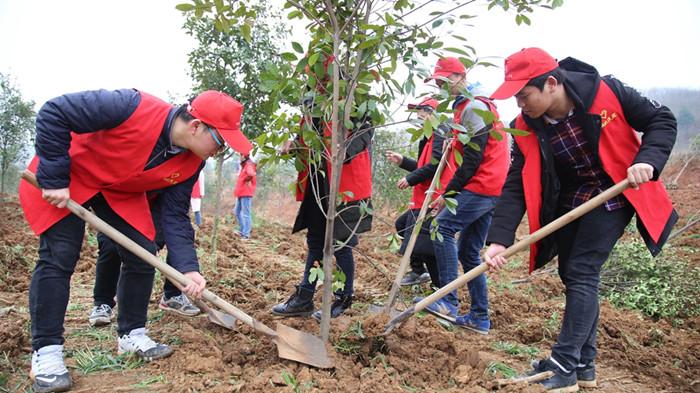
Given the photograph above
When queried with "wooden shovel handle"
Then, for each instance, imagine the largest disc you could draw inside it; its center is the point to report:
(169, 272)
(526, 242)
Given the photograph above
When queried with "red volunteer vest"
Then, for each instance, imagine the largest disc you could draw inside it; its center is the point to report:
(420, 189)
(111, 162)
(491, 174)
(355, 176)
(618, 146)
(246, 182)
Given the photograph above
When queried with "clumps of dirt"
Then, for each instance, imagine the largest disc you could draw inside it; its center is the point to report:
(14, 339)
(374, 324)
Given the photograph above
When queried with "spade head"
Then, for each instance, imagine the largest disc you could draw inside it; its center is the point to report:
(302, 347)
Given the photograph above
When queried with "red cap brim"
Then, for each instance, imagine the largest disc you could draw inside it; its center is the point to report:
(508, 89)
(236, 140)
(439, 74)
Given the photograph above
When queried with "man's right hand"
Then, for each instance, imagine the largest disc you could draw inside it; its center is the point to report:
(393, 157)
(58, 197)
(490, 257)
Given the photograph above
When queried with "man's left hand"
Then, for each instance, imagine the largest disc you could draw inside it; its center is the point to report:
(639, 174)
(196, 286)
(438, 204)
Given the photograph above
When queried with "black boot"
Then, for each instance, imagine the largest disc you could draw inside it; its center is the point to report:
(586, 375)
(340, 304)
(301, 304)
(559, 382)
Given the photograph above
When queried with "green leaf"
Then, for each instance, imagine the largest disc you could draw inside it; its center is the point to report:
(486, 115)
(369, 43)
(289, 56)
(457, 50)
(516, 132)
(184, 7)
(245, 30)
(458, 157)
(295, 14)
(297, 47)
(451, 205)
(313, 59)
(496, 135)
(427, 129)
(474, 146)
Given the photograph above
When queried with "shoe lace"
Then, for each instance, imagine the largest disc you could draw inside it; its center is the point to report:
(142, 341)
(182, 299)
(103, 309)
(51, 364)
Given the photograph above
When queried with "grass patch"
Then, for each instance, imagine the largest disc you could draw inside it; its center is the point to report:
(350, 342)
(496, 368)
(149, 381)
(98, 334)
(76, 307)
(515, 349)
(90, 361)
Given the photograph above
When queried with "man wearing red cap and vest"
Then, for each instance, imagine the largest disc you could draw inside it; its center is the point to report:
(476, 185)
(105, 150)
(420, 176)
(582, 140)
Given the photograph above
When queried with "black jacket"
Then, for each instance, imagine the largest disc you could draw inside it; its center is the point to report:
(655, 121)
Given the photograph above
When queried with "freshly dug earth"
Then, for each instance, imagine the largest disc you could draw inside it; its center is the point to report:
(636, 354)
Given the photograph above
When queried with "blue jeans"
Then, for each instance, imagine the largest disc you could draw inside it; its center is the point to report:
(242, 211)
(472, 220)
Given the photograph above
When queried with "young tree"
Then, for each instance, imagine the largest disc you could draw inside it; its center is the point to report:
(232, 60)
(16, 131)
(365, 55)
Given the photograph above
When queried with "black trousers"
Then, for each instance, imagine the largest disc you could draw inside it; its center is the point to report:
(59, 251)
(584, 246)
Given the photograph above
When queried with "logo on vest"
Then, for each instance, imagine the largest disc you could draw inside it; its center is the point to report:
(606, 118)
(171, 178)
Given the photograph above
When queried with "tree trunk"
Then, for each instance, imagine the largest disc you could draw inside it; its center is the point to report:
(217, 203)
(337, 153)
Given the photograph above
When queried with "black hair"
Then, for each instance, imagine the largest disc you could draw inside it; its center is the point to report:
(539, 81)
(183, 113)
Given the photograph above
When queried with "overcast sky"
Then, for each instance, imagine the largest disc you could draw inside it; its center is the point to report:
(51, 47)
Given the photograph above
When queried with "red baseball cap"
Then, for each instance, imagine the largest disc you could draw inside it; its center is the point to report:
(520, 68)
(222, 112)
(447, 66)
(427, 101)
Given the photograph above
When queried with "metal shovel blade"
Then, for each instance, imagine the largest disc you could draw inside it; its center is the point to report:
(301, 347)
(222, 319)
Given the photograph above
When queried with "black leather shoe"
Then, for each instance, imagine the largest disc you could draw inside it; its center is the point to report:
(559, 382)
(300, 304)
(586, 376)
(340, 304)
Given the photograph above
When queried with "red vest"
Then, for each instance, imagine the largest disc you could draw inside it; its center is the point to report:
(491, 174)
(420, 189)
(356, 176)
(618, 146)
(111, 162)
(246, 182)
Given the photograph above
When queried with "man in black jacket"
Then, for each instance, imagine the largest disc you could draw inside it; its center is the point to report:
(420, 176)
(582, 140)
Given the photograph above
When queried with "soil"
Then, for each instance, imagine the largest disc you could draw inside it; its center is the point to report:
(636, 353)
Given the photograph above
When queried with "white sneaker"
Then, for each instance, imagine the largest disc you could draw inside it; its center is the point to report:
(48, 372)
(100, 315)
(138, 343)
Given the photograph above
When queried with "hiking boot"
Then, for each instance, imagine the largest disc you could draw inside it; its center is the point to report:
(414, 279)
(585, 374)
(301, 304)
(138, 343)
(340, 304)
(179, 304)
(100, 315)
(440, 307)
(560, 382)
(470, 322)
(48, 372)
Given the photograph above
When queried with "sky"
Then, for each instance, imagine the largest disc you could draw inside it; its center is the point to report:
(51, 47)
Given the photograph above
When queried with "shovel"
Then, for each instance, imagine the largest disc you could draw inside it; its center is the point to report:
(517, 247)
(291, 344)
(406, 257)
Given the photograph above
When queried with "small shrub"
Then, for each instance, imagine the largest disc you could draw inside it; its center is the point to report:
(661, 287)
